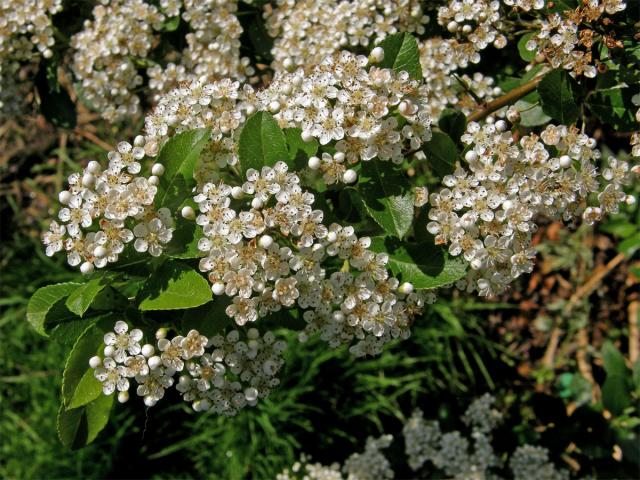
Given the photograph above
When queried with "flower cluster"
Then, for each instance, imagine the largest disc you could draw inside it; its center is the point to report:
(488, 207)
(24, 24)
(222, 374)
(306, 31)
(340, 103)
(118, 41)
(119, 203)
(277, 253)
(566, 41)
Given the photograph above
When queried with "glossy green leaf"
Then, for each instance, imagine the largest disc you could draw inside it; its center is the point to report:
(179, 157)
(423, 264)
(558, 93)
(615, 107)
(174, 286)
(82, 297)
(297, 146)
(387, 197)
(262, 142)
(208, 319)
(401, 53)
(441, 153)
(80, 426)
(453, 123)
(79, 386)
(44, 300)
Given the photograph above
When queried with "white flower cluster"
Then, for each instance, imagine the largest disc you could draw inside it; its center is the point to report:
(340, 103)
(488, 207)
(306, 31)
(222, 374)
(451, 453)
(24, 24)
(119, 203)
(565, 40)
(276, 253)
(368, 465)
(112, 47)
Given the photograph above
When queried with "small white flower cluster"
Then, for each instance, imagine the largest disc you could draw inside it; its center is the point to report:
(488, 208)
(105, 53)
(565, 40)
(275, 255)
(120, 202)
(306, 31)
(451, 453)
(24, 24)
(222, 374)
(368, 465)
(439, 62)
(340, 103)
(112, 47)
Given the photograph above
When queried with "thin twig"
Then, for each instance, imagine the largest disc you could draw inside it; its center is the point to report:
(506, 99)
(554, 340)
(634, 331)
(93, 139)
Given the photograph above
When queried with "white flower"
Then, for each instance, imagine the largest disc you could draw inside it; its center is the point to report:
(152, 236)
(124, 343)
(112, 376)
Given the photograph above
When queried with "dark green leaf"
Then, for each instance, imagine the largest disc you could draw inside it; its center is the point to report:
(208, 319)
(558, 93)
(453, 123)
(81, 298)
(174, 286)
(43, 300)
(179, 156)
(401, 53)
(262, 142)
(80, 426)
(387, 196)
(424, 264)
(299, 147)
(184, 242)
(615, 394)
(55, 102)
(441, 153)
(79, 386)
(614, 107)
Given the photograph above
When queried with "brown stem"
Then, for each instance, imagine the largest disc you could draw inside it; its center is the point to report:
(634, 332)
(506, 99)
(554, 340)
(93, 139)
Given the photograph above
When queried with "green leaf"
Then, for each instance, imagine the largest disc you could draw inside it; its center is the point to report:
(174, 286)
(423, 264)
(613, 360)
(526, 55)
(179, 156)
(614, 106)
(171, 24)
(261, 142)
(55, 103)
(453, 123)
(616, 390)
(441, 153)
(208, 319)
(558, 93)
(79, 386)
(43, 301)
(80, 426)
(297, 146)
(81, 298)
(184, 242)
(531, 114)
(387, 197)
(401, 53)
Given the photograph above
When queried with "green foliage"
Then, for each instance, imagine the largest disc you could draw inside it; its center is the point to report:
(42, 305)
(262, 142)
(55, 103)
(453, 123)
(174, 286)
(441, 153)
(525, 54)
(179, 156)
(401, 54)
(386, 197)
(81, 298)
(80, 426)
(558, 93)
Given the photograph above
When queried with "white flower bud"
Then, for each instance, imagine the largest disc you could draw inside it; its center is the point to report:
(64, 197)
(471, 156)
(109, 350)
(452, 26)
(188, 212)
(565, 161)
(404, 108)
(251, 394)
(147, 350)
(287, 63)
(376, 55)
(314, 163)
(123, 397)
(350, 176)
(94, 167)
(153, 180)
(306, 136)
(250, 109)
(100, 252)
(236, 192)
(86, 268)
(150, 401)
(256, 203)
(154, 362)
(88, 179)
(157, 169)
(217, 288)
(501, 126)
(339, 157)
(507, 205)
(95, 362)
(265, 241)
(406, 288)
(630, 200)
(274, 106)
